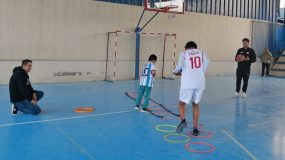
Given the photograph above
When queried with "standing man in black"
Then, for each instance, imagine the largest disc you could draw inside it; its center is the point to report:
(245, 56)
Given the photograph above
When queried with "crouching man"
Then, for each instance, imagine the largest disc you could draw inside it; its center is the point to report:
(22, 95)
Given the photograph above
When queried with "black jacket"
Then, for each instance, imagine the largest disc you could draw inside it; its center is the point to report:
(20, 87)
(246, 52)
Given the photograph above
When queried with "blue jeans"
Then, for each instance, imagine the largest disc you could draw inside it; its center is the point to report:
(29, 108)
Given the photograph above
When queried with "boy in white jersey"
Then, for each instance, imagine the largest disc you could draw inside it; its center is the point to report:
(146, 83)
(192, 66)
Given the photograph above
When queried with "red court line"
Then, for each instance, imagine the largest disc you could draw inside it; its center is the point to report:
(155, 108)
(161, 112)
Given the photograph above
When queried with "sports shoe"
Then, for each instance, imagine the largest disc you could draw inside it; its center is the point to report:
(14, 110)
(243, 95)
(181, 126)
(196, 132)
(145, 110)
(137, 108)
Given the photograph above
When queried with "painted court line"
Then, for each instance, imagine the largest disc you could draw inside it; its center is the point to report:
(260, 124)
(75, 143)
(239, 144)
(265, 97)
(67, 118)
(239, 98)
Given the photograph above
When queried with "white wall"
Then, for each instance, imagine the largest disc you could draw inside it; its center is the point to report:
(67, 36)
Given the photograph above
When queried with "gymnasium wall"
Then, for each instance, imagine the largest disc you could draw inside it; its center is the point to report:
(264, 10)
(269, 35)
(67, 39)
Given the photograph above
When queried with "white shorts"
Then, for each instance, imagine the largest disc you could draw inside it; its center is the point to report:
(191, 95)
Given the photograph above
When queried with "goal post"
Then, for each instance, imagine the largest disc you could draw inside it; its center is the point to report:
(120, 57)
(169, 56)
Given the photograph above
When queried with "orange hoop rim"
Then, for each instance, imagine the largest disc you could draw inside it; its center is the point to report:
(84, 109)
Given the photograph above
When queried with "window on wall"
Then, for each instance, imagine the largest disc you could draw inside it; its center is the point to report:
(282, 3)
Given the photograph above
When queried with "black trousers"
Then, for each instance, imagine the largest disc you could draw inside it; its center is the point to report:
(265, 65)
(242, 74)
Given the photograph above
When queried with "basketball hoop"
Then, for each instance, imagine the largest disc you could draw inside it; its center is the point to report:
(170, 9)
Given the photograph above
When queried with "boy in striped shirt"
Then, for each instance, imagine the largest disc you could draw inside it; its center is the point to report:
(146, 83)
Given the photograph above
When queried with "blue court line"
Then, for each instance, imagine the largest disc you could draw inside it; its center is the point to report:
(75, 143)
(239, 144)
(119, 112)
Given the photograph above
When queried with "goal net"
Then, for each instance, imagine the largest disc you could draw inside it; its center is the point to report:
(121, 54)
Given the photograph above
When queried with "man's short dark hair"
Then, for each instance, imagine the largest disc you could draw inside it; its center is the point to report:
(191, 44)
(245, 39)
(26, 61)
(152, 57)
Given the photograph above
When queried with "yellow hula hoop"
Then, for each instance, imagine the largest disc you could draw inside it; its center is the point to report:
(166, 125)
(177, 141)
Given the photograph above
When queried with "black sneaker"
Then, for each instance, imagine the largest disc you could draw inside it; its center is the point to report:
(181, 126)
(196, 132)
(14, 110)
(145, 110)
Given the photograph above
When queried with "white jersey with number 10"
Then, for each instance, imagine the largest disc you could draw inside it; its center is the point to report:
(192, 64)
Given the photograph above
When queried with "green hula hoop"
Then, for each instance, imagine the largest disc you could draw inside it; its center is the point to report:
(166, 131)
(177, 141)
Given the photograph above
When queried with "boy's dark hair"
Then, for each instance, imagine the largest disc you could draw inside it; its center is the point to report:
(26, 61)
(191, 44)
(152, 57)
(245, 39)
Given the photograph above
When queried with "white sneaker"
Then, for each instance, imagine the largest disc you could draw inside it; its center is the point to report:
(243, 95)
(236, 95)
(137, 108)
(145, 110)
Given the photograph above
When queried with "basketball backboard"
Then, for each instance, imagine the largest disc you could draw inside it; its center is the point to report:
(167, 6)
